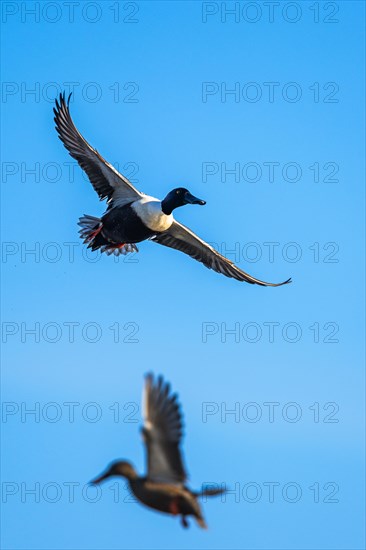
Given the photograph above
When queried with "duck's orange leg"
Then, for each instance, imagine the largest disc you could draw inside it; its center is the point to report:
(184, 522)
(93, 234)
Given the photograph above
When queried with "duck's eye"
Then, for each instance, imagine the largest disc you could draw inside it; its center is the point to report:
(178, 192)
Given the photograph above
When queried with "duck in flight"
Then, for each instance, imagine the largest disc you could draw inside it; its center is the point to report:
(132, 216)
(163, 488)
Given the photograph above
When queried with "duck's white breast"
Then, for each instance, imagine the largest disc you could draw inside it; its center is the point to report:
(150, 213)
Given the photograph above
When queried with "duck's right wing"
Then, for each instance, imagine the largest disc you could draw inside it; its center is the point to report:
(162, 432)
(106, 180)
(181, 238)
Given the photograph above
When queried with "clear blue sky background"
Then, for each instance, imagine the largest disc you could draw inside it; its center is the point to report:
(168, 132)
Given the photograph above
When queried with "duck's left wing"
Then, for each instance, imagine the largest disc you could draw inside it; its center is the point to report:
(106, 180)
(162, 432)
(180, 237)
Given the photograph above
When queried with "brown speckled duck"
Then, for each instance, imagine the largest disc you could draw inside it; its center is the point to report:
(163, 488)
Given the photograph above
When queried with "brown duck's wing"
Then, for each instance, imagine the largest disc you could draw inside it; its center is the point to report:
(162, 432)
(106, 180)
(180, 237)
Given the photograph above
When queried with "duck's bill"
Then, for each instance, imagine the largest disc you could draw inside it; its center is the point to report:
(191, 199)
(98, 479)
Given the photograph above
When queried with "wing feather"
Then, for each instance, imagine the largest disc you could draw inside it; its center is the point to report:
(181, 238)
(106, 180)
(162, 431)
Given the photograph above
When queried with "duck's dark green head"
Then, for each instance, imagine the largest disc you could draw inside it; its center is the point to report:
(179, 197)
(120, 468)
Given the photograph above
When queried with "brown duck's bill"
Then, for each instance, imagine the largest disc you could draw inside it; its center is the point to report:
(99, 479)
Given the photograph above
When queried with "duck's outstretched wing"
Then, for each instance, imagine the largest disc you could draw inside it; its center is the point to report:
(162, 432)
(180, 237)
(106, 180)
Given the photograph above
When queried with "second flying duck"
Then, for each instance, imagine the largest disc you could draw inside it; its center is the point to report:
(163, 488)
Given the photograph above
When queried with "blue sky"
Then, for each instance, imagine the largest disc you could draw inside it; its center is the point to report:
(152, 84)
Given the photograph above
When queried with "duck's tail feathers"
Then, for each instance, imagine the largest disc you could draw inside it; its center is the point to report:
(201, 522)
(90, 232)
(210, 492)
(123, 248)
(90, 227)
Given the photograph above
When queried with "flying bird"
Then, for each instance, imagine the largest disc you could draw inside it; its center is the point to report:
(163, 488)
(132, 216)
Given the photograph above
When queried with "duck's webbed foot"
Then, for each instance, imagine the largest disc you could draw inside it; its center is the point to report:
(184, 522)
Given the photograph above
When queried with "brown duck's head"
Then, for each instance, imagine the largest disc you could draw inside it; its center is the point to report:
(120, 468)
